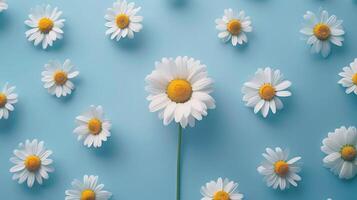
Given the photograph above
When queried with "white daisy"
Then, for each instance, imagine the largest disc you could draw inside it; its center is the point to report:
(87, 190)
(321, 31)
(31, 162)
(56, 77)
(7, 99)
(221, 190)
(340, 147)
(45, 25)
(3, 5)
(234, 27)
(93, 128)
(122, 20)
(264, 90)
(180, 90)
(278, 170)
(349, 77)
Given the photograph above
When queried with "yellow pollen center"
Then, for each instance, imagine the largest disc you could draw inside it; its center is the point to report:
(60, 77)
(179, 90)
(354, 79)
(322, 31)
(267, 91)
(221, 195)
(32, 163)
(234, 26)
(122, 21)
(348, 152)
(45, 25)
(3, 100)
(95, 126)
(88, 195)
(281, 168)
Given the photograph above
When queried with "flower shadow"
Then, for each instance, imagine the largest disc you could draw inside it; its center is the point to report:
(9, 125)
(4, 21)
(37, 190)
(178, 3)
(109, 148)
(130, 44)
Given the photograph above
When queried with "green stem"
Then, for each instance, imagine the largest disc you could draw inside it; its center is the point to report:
(178, 169)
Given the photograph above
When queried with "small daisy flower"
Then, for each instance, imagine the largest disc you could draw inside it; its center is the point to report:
(263, 91)
(233, 27)
(56, 77)
(349, 77)
(180, 90)
(45, 25)
(93, 128)
(340, 147)
(89, 189)
(3, 5)
(31, 162)
(278, 170)
(7, 100)
(321, 31)
(122, 20)
(221, 190)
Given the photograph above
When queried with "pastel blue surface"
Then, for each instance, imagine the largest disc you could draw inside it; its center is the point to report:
(138, 161)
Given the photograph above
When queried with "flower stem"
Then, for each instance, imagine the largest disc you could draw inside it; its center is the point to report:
(178, 169)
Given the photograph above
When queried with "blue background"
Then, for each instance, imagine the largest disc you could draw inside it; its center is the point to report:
(138, 162)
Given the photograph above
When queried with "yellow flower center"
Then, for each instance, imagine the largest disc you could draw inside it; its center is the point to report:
(348, 152)
(88, 195)
(60, 77)
(354, 79)
(267, 91)
(234, 26)
(45, 25)
(322, 31)
(32, 163)
(122, 21)
(3, 100)
(95, 126)
(281, 168)
(179, 90)
(221, 195)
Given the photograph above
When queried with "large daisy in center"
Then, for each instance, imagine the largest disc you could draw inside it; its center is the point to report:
(180, 90)
(263, 91)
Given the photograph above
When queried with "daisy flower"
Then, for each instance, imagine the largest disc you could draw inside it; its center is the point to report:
(56, 78)
(340, 147)
(322, 30)
(264, 90)
(92, 127)
(3, 5)
(221, 190)
(7, 100)
(31, 162)
(349, 78)
(122, 20)
(180, 90)
(89, 189)
(45, 25)
(233, 27)
(278, 171)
